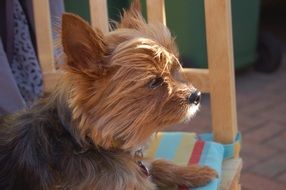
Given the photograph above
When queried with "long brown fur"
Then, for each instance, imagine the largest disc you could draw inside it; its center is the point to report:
(85, 134)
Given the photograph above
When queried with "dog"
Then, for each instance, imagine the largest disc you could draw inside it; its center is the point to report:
(116, 90)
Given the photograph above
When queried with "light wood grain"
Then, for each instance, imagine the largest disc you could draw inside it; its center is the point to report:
(99, 14)
(44, 40)
(235, 185)
(199, 78)
(230, 174)
(51, 79)
(156, 11)
(221, 69)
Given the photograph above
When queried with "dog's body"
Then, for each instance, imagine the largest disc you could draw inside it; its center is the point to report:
(39, 152)
(116, 91)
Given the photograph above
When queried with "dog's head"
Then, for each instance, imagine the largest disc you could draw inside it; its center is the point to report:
(125, 84)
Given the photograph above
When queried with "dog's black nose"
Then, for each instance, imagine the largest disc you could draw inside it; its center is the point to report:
(195, 97)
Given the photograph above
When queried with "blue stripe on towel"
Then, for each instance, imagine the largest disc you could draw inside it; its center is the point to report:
(168, 146)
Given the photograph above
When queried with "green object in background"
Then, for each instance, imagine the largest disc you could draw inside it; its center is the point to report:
(82, 8)
(186, 21)
(245, 22)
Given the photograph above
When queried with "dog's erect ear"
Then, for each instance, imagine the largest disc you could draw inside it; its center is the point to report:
(132, 18)
(83, 46)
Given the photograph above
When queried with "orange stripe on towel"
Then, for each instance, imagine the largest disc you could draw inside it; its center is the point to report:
(151, 151)
(184, 149)
(197, 151)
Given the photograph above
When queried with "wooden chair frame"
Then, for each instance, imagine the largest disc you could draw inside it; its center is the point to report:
(218, 79)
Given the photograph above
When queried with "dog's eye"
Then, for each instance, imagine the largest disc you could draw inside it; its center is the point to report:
(156, 82)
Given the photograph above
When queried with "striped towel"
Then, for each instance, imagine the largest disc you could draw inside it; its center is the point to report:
(188, 148)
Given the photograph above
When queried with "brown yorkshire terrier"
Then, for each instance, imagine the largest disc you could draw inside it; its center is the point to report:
(117, 89)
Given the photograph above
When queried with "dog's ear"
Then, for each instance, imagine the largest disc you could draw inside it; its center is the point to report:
(83, 46)
(132, 18)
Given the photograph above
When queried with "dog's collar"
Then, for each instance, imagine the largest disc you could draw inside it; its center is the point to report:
(138, 153)
(143, 168)
(140, 163)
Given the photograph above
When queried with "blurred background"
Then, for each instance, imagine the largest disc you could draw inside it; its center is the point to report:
(259, 37)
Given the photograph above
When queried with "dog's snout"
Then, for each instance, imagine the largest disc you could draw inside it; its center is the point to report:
(195, 97)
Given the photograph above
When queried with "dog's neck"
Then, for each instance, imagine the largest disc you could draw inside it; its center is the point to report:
(58, 103)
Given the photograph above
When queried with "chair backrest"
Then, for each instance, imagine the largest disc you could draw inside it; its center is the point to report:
(218, 79)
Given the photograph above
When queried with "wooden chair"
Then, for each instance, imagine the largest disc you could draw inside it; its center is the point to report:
(218, 79)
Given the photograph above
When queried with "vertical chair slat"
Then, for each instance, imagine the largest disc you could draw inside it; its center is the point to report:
(43, 32)
(99, 14)
(156, 11)
(221, 69)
